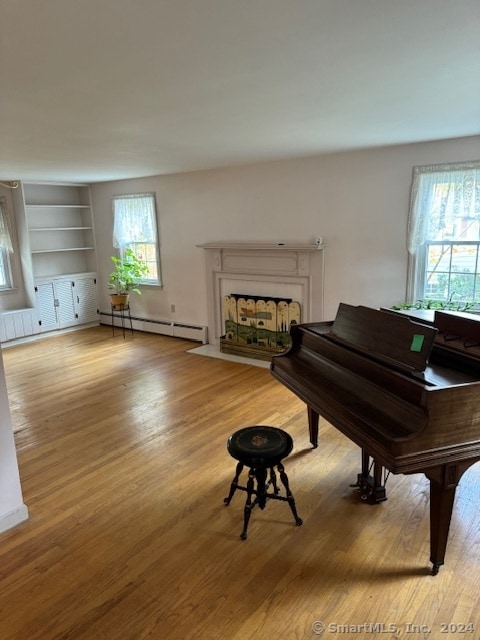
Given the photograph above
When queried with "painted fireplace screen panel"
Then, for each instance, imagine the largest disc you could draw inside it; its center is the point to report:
(257, 326)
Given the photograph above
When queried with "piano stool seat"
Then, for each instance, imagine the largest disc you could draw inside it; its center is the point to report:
(260, 448)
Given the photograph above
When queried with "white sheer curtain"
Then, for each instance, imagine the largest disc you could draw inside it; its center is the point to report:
(134, 219)
(439, 194)
(5, 238)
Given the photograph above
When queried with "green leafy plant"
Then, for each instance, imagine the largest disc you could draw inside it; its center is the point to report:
(445, 305)
(127, 274)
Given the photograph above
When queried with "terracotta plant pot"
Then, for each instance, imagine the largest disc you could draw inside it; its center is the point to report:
(119, 301)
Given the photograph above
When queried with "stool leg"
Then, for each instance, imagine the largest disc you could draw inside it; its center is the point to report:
(261, 476)
(273, 481)
(290, 498)
(248, 504)
(234, 485)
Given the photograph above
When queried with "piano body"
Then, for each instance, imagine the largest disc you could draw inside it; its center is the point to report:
(406, 391)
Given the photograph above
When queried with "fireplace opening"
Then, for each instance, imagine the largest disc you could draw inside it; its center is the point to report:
(257, 326)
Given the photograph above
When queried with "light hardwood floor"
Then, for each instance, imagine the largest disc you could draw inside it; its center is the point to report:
(122, 454)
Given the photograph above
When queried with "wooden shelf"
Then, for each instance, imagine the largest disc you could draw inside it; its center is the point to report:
(42, 229)
(65, 249)
(57, 206)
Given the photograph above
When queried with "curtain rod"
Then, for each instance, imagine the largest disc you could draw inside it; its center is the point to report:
(14, 184)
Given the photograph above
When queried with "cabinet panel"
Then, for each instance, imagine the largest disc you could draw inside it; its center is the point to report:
(65, 303)
(46, 306)
(85, 299)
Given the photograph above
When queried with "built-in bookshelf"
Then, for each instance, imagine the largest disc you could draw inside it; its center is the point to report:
(60, 228)
(56, 242)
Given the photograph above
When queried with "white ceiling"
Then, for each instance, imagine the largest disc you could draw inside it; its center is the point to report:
(95, 90)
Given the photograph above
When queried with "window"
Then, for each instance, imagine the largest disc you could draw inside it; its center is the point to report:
(135, 227)
(5, 247)
(444, 233)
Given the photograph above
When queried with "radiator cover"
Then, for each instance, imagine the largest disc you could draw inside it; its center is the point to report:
(197, 333)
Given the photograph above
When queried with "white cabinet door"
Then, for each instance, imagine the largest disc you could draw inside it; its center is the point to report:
(65, 302)
(46, 306)
(85, 299)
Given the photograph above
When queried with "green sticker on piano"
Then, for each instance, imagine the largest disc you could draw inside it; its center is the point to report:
(417, 342)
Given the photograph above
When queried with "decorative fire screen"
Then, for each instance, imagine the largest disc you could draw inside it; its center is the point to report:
(256, 326)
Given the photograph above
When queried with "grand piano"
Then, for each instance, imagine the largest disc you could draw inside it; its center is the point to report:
(405, 389)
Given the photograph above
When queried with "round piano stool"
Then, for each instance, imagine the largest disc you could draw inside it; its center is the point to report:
(260, 448)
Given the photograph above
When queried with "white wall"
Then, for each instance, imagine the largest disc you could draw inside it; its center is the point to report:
(12, 509)
(358, 201)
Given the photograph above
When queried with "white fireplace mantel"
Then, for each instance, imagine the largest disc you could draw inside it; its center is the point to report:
(270, 269)
(278, 246)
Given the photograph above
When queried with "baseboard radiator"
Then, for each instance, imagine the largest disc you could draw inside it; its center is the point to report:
(197, 333)
(18, 324)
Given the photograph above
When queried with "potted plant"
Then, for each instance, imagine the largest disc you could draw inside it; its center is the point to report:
(442, 305)
(124, 279)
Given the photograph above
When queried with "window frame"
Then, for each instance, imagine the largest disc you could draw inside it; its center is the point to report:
(121, 244)
(418, 252)
(6, 247)
(6, 270)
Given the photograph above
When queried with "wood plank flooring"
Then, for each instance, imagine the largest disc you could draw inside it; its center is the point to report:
(122, 453)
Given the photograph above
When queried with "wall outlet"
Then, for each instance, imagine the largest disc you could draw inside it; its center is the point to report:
(172, 308)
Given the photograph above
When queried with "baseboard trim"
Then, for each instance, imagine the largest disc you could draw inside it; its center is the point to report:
(13, 518)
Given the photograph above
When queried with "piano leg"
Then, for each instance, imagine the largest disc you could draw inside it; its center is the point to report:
(313, 426)
(443, 484)
(441, 507)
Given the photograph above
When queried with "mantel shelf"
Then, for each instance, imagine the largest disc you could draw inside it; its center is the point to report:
(265, 246)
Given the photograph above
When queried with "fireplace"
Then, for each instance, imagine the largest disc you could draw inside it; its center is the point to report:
(286, 272)
(256, 326)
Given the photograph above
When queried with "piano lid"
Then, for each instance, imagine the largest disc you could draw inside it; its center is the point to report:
(458, 331)
(394, 340)
(453, 326)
